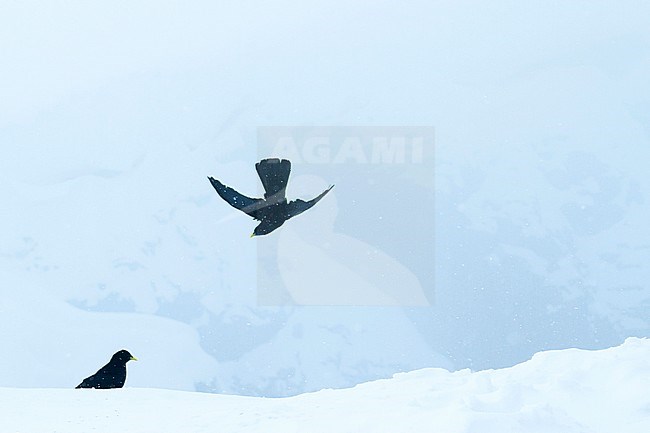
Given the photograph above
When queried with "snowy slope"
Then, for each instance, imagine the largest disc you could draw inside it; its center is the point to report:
(568, 391)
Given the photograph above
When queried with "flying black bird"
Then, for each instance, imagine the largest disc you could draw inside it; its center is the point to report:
(112, 375)
(272, 210)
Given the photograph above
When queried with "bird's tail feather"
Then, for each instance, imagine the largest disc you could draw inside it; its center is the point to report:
(274, 174)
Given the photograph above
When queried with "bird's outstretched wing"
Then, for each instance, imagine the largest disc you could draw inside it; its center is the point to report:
(239, 201)
(296, 207)
(274, 174)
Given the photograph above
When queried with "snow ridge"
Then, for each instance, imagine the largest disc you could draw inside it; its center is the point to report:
(564, 391)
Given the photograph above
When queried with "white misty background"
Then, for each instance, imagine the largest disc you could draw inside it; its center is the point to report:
(112, 115)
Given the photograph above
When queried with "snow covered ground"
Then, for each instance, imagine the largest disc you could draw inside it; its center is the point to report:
(566, 391)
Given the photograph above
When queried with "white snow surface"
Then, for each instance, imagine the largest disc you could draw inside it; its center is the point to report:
(564, 391)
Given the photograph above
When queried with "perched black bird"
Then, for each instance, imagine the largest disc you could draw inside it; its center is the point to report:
(273, 210)
(112, 375)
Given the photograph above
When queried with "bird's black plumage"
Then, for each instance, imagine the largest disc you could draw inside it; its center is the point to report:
(272, 210)
(112, 375)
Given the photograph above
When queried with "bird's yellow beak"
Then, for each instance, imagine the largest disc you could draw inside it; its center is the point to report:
(133, 358)
(252, 234)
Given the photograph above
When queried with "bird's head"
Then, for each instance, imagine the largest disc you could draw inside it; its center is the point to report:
(260, 231)
(266, 227)
(123, 356)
